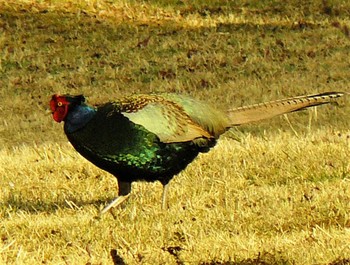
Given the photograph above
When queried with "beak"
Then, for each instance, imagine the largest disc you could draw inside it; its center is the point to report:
(48, 112)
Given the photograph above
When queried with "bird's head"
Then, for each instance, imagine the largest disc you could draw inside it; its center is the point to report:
(61, 104)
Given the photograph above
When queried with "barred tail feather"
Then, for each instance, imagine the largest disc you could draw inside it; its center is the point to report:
(262, 111)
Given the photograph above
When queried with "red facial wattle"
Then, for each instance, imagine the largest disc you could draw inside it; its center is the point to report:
(59, 107)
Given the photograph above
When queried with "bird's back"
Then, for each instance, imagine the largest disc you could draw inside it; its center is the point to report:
(209, 118)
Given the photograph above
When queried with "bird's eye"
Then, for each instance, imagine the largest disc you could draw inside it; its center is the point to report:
(59, 104)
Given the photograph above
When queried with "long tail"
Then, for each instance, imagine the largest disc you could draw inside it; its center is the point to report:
(261, 111)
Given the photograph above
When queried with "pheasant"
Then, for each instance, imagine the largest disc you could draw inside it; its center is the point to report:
(155, 136)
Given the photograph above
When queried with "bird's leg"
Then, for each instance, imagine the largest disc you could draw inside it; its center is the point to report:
(114, 203)
(164, 195)
(123, 194)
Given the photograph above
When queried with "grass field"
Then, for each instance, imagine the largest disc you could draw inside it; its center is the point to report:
(276, 192)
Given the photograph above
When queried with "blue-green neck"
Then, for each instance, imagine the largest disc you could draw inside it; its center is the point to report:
(78, 117)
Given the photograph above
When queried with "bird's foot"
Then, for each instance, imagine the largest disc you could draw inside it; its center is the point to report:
(164, 196)
(120, 199)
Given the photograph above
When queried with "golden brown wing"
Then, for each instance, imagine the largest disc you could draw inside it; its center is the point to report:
(168, 120)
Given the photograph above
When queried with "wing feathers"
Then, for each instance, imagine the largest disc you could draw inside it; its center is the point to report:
(167, 120)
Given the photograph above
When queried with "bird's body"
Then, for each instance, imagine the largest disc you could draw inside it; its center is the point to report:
(155, 136)
(107, 136)
(132, 153)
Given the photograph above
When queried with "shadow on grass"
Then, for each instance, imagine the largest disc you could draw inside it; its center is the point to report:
(117, 260)
(16, 204)
(64, 24)
(269, 259)
(340, 261)
(263, 258)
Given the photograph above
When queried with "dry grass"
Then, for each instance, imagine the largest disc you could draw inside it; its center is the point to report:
(293, 211)
(274, 193)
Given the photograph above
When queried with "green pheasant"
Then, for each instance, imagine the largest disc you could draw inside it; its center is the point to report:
(155, 136)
